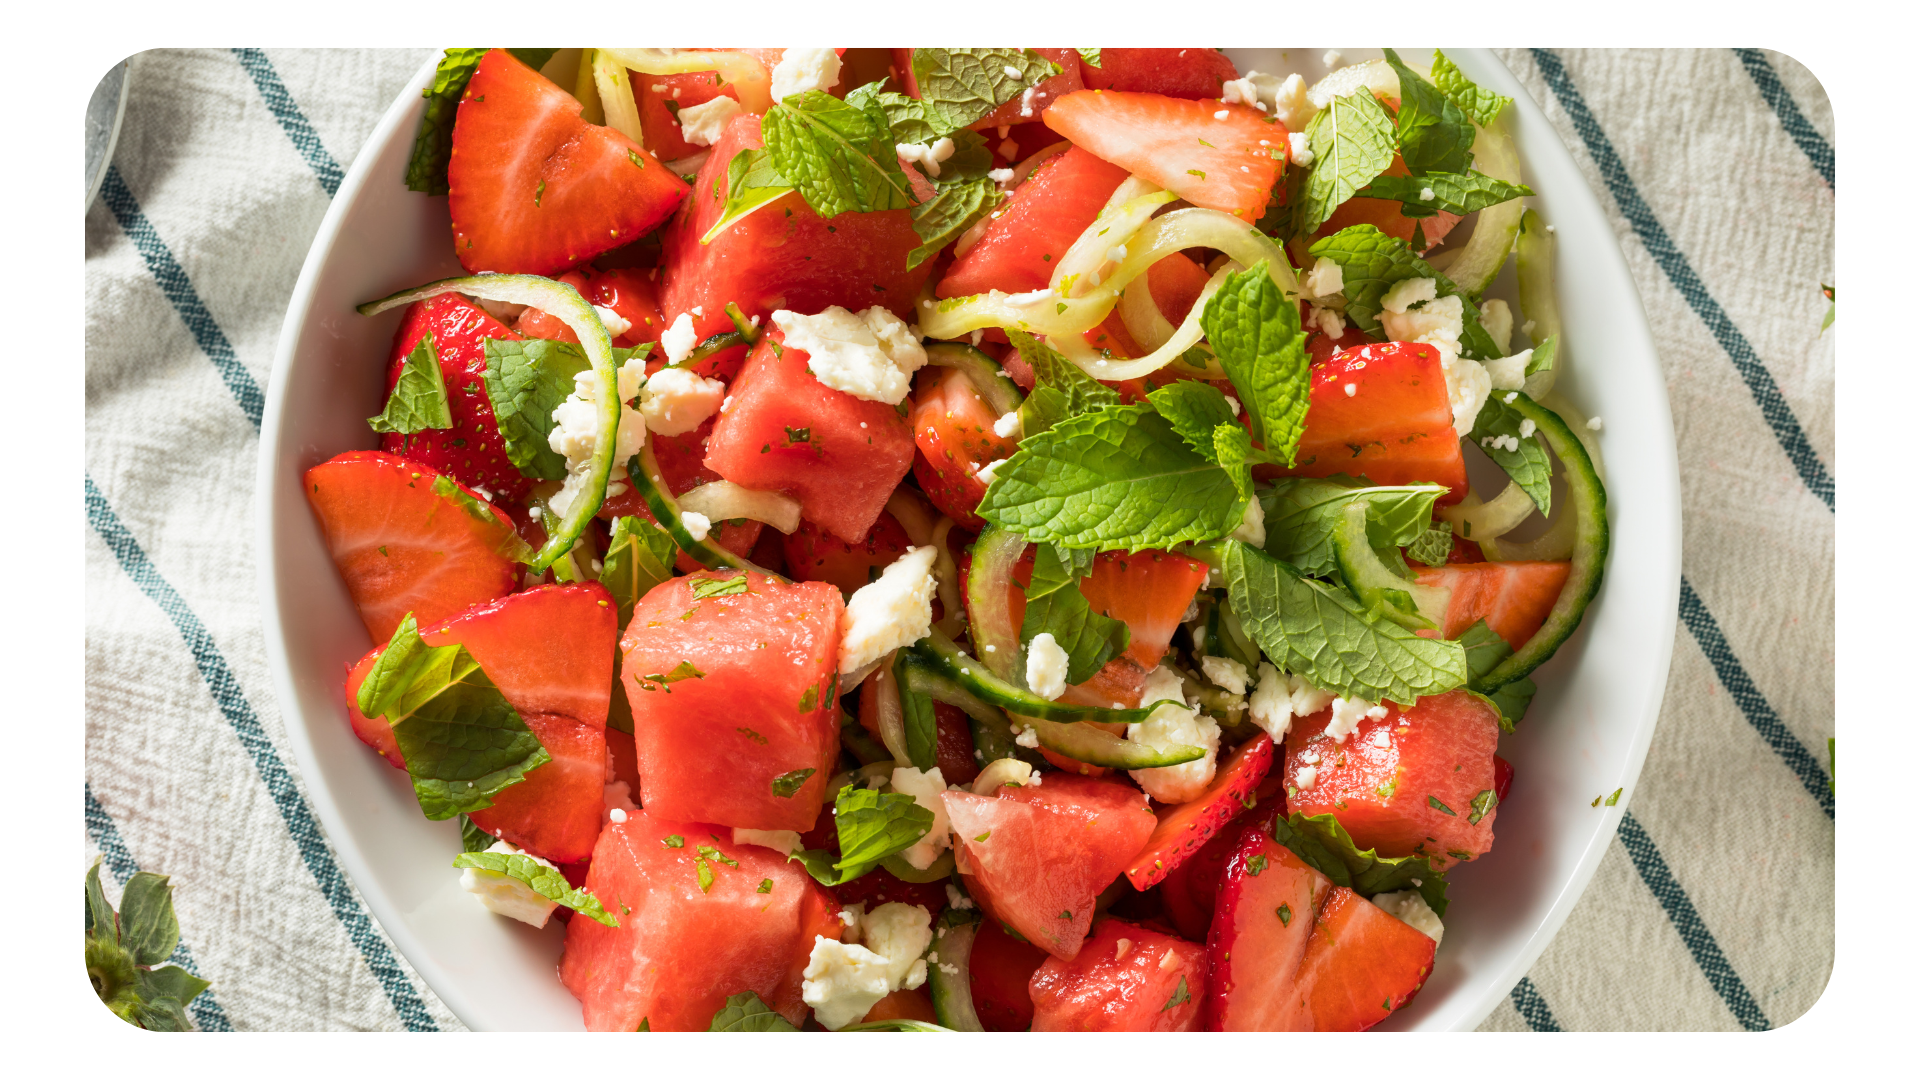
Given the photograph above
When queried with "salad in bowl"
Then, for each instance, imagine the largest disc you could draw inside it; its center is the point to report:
(966, 539)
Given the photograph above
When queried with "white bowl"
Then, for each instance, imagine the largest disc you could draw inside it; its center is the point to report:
(1587, 732)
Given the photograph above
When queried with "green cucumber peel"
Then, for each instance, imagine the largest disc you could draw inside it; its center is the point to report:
(643, 472)
(948, 660)
(1001, 393)
(565, 303)
(1097, 747)
(1383, 593)
(992, 731)
(952, 993)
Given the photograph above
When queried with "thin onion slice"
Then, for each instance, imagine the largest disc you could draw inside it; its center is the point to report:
(750, 78)
(1479, 521)
(1556, 543)
(1041, 311)
(946, 576)
(616, 95)
(723, 500)
(887, 709)
(1143, 317)
(1186, 336)
(1374, 75)
(999, 773)
(1077, 272)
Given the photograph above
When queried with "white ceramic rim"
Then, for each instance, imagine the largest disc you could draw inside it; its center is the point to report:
(1577, 210)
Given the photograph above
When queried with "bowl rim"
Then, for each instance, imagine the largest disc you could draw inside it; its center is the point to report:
(1540, 147)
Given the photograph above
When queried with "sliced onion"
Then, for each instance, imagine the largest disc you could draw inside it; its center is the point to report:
(914, 514)
(688, 165)
(999, 773)
(723, 500)
(1033, 161)
(886, 708)
(750, 78)
(1485, 252)
(1143, 317)
(616, 95)
(1374, 75)
(946, 576)
(1074, 274)
(1197, 227)
(1479, 521)
(1186, 336)
(1130, 189)
(1042, 311)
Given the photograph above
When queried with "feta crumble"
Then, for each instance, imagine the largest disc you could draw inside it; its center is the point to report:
(985, 476)
(576, 430)
(617, 325)
(927, 155)
(1496, 318)
(842, 982)
(900, 933)
(703, 124)
(1253, 524)
(1426, 194)
(1221, 114)
(891, 612)
(784, 841)
(675, 400)
(871, 356)
(1304, 777)
(679, 339)
(1007, 426)
(1411, 311)
(1593, 424)
(1028, 738)
(1170, 726)
(1509, 372)
(1334, 59)
(958, 900)
(999, 176)
(508, 896)
(1298, 150)
(1347, 714)
(1047, 667)
(697, 525)
(801, 70)
(1411, 908)
(1280, 697)
(1351, 389)
(1225, 672)
(926, 788)
(1290, 104)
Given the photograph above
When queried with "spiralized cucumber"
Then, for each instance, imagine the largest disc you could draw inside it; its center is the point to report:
(949, 976)
(616, 95)
(1485, 252)
(983, 372)
(950, 662)
(1386, 594)
(644, 473)
(722, 500)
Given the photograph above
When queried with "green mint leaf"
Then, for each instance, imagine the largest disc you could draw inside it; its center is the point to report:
(419, 399)
(707, 588)
(473, 837)
(1544, 355)
(906, 116)
(674, 840)
(1180, 996)
(541, 878)
(1060, 388)
(959, 86)
(640, 555)
(1512, 701)
(1322, 633)
(1484, 106)
(1497, 432)
(922, 729)
(1233, 451)
(1456, 193)
(526, 381)
(952, 210)
(819, 862)
(1090, 639)
(1056, 568)
(433, 145)
(101, 922)
(1324, 844)
(663, 680)
(1303, 515)
(1440, 806)
(1091, 56)
(1433, 133)
(1371, 262)
(1352, 140)
(174, 983)
(148, 929)
(752, 182)
(839, 157)
(1432, 547)
(462, 742)
(786, 785)
(1117, 477)
(1482, 804)
(746, 1012)
(1195, 409)
(1255, 331)
(1485, 649)
(873, 825)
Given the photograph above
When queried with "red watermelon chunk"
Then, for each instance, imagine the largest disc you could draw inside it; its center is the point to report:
(681, 950)
(783, 255)
(1513, 597)
(1038, 856)
(1126, 978)
(533, 188)
(730, 694)
(1180, 73)
(839, 455)
(1360, 965)
(1040, 221)
(1261, 926)
(1183, 828)
(999, 971)
(814, 555)
(1395, 428)
(1415, 794)
(954, 430)
(1220, 162)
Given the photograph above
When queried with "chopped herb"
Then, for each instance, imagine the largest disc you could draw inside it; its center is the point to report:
(675, 841)
(1440, 806)
(1256, 864)
(1285, 911)
(1596, 800)
(706, 588)
(766, 885)
(982, 838)
(704, 873)
(752, 734)
(685, 670)
(786, 785)
(706, 852)
(1483, 805)
(1065, 915)
(638, 161)
(1180, 995)
(1614, 799)
(799, 435)
(1197, 172)
(808, 699)
(539, 190)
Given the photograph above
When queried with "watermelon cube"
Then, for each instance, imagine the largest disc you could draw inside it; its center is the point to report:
(732, 677)
(700, 919)
(1197, 74)
(839, 455)
(1417, 782)
(1042, 218)
(1381, 411)
(1126, 978)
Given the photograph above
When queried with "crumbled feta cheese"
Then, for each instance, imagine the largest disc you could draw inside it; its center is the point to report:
(617, 816)
(1007, 426)
(1117, 253)
(1593, 424)
(1508, 372)
(1304, 777)
(1225, 672)
(841, 982)
(926, 788)
(900, 933)
(1527, 428)
(1239, 91)
(1046, 667)
(958, 900)
(679, 339)
(927, 155)
(1170, 726)
(616, 795)
(1027, 98)
(703, 124)
(1269, 707)
(1290, 104)
(697, 525)
(1253, 525)
(1324, 280)
(1411, 908)
(1381, 739)
(1307, 698)
(871, 356)
(999, 176)
(576, 432)
(675, 400)
(1347, 714)
(1330, 321)
(1334, 59)
(1511, 395)
(1012, 72)
(784, 841)
(1234, 404)
(985, 476)
(801, 70)
(483, 492)
(1221, 114)
(1410, 311)
(889, 613)
(850, 916)
(1298, 150)
(1497, 319)
(1406, 293)
(507, 896)
(616, 324)
(1028, 738)
(1426, 194)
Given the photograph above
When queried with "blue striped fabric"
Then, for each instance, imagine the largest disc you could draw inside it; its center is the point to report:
(293, 807)
(1818, 151)
(173, 282)
(1786, 428)
(1693, 931)
(206, 1010)
(292, 120)
(1533, 1008)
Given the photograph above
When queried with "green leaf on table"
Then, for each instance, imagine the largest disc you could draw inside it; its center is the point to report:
(1255, 331)
(1060, 388)
(959, 86)
(951, 211)
(148, 929)
(1056, 606)
(542, 878)
(433, 144)
(1371, 262)
(1433, 134)
(1484, 106)
(640, 555)
(1118, 477)
(746, 1012)
(838, 156)
(1324, 844)
(419, 398)
(1352, 141)
(1430, 193)
(752, 182)
(1507, 437)
(1431, 547)
(463, 743)
(1304, 514)
(1322, 634)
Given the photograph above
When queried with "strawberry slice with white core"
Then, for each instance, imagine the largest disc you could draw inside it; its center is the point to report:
(1223, 157)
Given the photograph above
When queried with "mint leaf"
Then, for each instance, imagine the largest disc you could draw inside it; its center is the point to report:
(1352, 141)
(541, 878)
(839, 157)
(1117, 477)
(746, 1012)
(526, 381)
(1091, 56)
(1543, 356)
(1204, 421)
(1060, 388)
(148, 930)
(1324, 844)
(1180, 995)
(873, 825)
(1496, 431)
(462, 742)
(1432, 547)
(1322, 633)
(906, 116)
(472, 837)
(959, 86)
(1434, 135)
(433, 145)
(922, 728)
(707, 588)
(951, 211)
(787, 784)
(419, 398)
(1456, 193)
(640, 555)
(1371, 262)
(1485, 649)
(1484, 106)
(1056, 606)
(752, 182)
(1255, 331)
(1304, 514)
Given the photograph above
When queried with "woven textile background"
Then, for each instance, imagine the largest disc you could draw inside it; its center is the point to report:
(1717, 170)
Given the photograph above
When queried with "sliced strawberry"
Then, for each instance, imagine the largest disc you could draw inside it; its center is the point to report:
(533, 188)
(1225, 163)
(1149, 591)
(1180, 73)
(1361, 964)
(1395, 427)
(1042, 218)
(404, 547)
(1261, 926)
(1191, 890)
(954, 430)
(1126, 978)
(1513, 597)
(999, 972)
(1502, 777)
(813, 554)
(1184, 827)
(471, 450)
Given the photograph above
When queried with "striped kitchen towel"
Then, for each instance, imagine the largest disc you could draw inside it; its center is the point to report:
(1716, 166)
